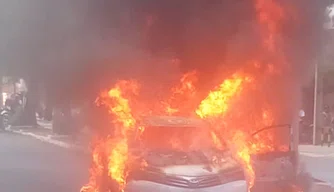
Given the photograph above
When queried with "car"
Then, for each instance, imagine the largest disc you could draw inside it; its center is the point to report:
(170, 166)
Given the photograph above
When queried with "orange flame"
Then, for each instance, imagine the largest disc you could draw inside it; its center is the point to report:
(224, 107)
(117, 148)
(217, 102)
(183, 92)
(216, 105)
(97, 168)
(219, 106)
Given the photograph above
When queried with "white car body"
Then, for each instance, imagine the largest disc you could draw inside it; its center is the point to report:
(145, 186)
(190, 179)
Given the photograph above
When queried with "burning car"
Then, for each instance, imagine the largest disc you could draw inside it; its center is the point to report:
(172, 154)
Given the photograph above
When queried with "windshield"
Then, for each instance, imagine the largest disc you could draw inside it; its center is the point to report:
(181, 145)
(175, 138)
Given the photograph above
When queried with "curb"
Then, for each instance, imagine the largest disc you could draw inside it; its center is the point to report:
(323, 183)
(49, 139)
(316, 155)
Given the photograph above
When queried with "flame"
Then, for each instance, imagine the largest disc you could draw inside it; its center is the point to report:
(216, 141)
(217, 102)
(186, 85)
(97, 168)
(228, 107)
(243, 150)
(222, 107)
(184, 91)
(216, 105)
(117, 148)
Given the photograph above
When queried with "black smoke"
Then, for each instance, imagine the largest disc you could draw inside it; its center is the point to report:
(78, 47)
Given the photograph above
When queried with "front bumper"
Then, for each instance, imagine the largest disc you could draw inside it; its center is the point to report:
(148, 186)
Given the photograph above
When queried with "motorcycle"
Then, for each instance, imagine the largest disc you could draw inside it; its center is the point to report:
(5, 114)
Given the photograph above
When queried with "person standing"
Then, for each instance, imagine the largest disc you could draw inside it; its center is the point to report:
(332, 122)
(327, 126)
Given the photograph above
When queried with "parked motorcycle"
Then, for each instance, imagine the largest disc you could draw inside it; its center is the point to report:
(8, 110)
(5, 113)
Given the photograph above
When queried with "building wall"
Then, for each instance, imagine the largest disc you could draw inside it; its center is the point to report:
(329, 99)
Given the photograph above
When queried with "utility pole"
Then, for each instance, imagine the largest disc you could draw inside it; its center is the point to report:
(1, 91)
(315, 106)
(318, 80)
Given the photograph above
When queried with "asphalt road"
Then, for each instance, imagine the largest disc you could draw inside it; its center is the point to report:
(29, 165)
(321, 168)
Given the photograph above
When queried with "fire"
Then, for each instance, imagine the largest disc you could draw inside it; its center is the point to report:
(229, 108)
(117, 151)
(232, 123)
(183, 92)
(217, 102)
(217, 105)
(243, 150)
(97, 168)
(216, 141)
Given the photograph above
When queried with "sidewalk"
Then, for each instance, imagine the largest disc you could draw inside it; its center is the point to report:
(316, 151)
(319, 162)
(44, 133)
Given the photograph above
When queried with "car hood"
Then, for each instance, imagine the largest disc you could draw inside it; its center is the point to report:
(188, 170)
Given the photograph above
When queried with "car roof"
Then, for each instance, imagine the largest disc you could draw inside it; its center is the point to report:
(172, 121)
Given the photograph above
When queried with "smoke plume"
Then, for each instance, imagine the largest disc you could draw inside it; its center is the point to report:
(77, 45)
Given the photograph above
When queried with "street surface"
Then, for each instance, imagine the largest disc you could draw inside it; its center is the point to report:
(319, 161)
(36, 160)
(29, 165)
